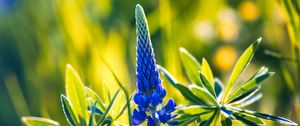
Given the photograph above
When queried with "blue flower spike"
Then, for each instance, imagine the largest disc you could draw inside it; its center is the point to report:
(150, 93)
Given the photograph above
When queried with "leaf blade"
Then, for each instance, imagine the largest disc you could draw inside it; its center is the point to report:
(241, 64)
(191, 65)
(69, 113)
(76, 93)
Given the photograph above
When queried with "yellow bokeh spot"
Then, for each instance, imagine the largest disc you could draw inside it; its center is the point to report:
(225, 58)
(249, 11)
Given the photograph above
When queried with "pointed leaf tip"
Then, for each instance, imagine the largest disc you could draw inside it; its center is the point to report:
(259, 39)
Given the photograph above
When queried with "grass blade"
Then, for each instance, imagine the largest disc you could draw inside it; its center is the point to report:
(101, 121)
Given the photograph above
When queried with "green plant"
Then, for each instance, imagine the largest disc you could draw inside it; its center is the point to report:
(82, 106)
(212, 102)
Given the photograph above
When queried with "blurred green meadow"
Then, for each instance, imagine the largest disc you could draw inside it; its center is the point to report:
(39, 37)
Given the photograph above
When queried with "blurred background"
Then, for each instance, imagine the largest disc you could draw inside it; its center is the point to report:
(39, 37)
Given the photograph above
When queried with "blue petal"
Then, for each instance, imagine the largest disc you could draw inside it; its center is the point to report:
(138, 117)
(170, 106)
(141, 99)
(151, 121)
(163, 93)
(155, 99)
(165, 117)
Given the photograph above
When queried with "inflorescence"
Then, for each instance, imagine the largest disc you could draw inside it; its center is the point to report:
(150, 93)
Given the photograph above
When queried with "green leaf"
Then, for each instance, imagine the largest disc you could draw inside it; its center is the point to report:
(121, 85)
(210, 120)
(203, 94)
(207, 84)
(195, 110)
(207, 71)
(248, 101)
(168, 76)
(68, 111)
(37, 121)
(248, 119)
(240, 66)
(93, 95)
(192, 67)
(186, 119)
(246, 95)
(225, 120)
(102, 119)
(124, 106)
(91, 121)
(219, 88)
(250, 85)
(265, 116)
(76, 93)
(259, 72)
(106, 92)
(188, 94)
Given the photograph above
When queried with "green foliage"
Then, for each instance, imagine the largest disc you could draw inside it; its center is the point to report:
(36, 121)
(82, 106)
(211, 104)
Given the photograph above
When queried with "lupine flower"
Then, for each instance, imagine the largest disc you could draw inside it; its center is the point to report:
(150, 93)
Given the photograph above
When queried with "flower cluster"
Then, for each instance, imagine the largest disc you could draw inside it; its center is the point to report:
(150, 92)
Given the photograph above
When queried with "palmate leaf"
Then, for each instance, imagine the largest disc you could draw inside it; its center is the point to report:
(191, 65)
(76, 94)
(240, 66)
(248, 86)
(37, 121)
(69, 113)
(264, 116)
